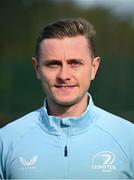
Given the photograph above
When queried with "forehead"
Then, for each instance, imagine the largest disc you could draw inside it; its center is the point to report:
(66, 40)
(67, 45)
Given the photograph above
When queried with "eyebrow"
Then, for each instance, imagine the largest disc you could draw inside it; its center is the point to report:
(59, 61)
(75, 60)
(52, 61)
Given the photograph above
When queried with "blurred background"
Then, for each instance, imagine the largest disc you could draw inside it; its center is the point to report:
(21, 20)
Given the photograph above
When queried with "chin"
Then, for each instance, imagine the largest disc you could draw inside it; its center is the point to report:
(67, 103)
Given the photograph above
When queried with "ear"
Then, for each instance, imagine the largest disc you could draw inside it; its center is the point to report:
(95, 66)
(36, 67)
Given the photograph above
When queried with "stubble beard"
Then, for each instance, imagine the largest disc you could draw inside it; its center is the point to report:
(66, 105)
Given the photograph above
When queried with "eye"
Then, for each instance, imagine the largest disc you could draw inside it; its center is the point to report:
(75, 62)
(52, 64)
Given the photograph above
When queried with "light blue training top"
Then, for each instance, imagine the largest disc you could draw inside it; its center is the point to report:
(96, 145)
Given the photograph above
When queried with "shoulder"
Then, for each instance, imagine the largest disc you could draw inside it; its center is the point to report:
(109, 120)
(20, 126)
(121, 130)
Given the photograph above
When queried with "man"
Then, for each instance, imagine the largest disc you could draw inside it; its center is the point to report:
(69, 137)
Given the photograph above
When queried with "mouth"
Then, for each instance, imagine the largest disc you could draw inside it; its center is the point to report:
(65, 87)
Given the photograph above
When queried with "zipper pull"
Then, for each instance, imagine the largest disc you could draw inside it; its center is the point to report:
(65, 151)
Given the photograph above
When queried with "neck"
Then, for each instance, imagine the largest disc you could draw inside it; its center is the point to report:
(61, 111)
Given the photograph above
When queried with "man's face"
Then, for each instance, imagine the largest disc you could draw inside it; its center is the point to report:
(66, 69)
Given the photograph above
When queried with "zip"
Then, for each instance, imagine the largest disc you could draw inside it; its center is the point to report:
(65, 151)
(66, 148)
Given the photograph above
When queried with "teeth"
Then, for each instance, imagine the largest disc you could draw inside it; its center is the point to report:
(66, 86)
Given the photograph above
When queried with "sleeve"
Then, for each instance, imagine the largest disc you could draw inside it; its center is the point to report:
(1, 160)
(132, 152)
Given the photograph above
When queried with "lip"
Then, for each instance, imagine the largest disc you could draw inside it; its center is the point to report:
(65, 87)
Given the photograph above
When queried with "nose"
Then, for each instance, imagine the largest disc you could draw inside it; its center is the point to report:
(64, 74)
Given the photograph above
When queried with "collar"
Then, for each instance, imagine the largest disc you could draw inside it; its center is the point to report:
(75, 125)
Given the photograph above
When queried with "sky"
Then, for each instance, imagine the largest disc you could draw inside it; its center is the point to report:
(120, 7)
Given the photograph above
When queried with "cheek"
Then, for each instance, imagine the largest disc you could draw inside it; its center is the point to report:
(47, 78)
(45, 83)
(86, 74)
(84, 78)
